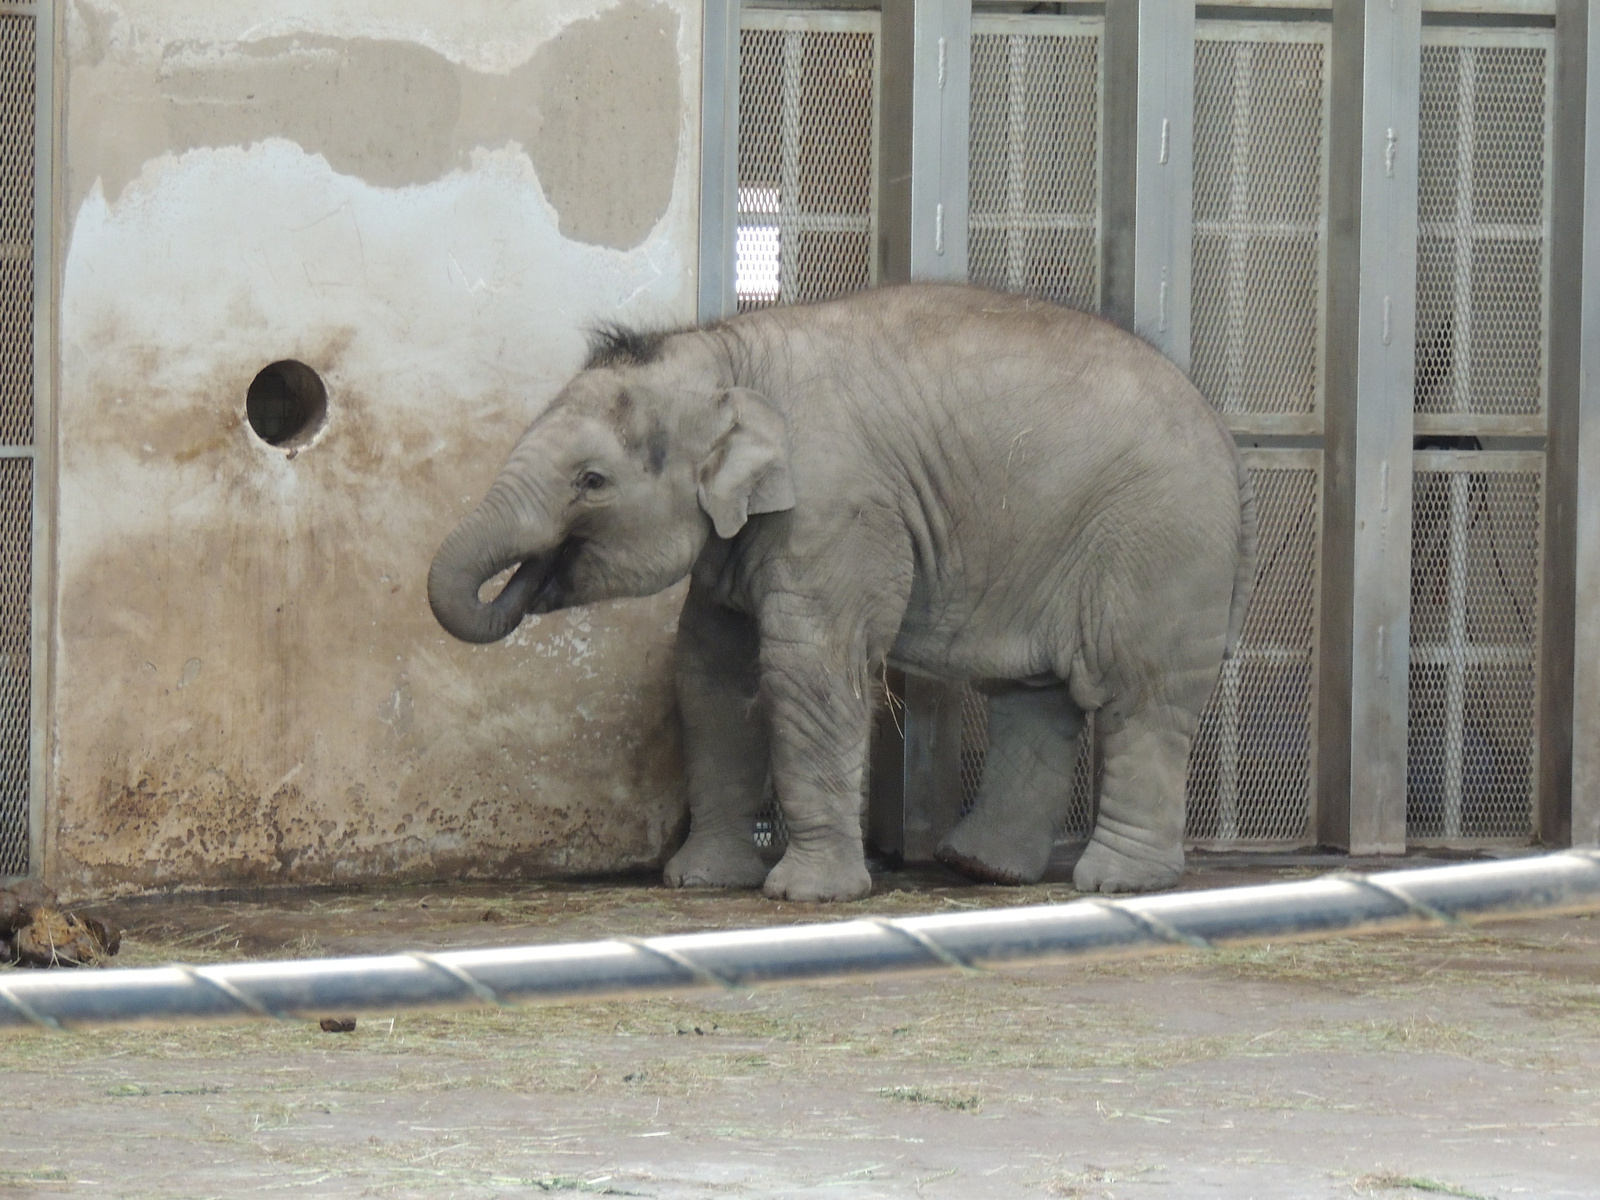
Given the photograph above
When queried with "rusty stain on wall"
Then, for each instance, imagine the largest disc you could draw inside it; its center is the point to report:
(249, 687)
(597, 108)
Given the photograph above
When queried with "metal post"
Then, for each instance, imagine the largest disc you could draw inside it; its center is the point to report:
(1562, 806)
(1149, 170)
(1164, 176)
(719, 158)
(1585, 414)
(1365, 692)
(922, 234)
(927, 64)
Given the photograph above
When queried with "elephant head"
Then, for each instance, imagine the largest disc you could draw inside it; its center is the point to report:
(612, 492)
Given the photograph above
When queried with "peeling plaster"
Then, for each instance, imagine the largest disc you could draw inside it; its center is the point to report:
(598, 109)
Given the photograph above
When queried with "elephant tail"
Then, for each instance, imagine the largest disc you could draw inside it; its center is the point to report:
(1244, 575)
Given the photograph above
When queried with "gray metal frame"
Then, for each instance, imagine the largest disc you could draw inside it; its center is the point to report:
(926, 48)
(42, 451)
(1584, 440)
(719, 158)
(1164, 176)
(926, 52)
(1363, 713)
(1148, 177)
(1366, 420)
(45, 295)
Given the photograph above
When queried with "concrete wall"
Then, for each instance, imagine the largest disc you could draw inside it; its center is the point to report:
(427, 201)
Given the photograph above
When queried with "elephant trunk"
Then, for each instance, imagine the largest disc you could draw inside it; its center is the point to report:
(487, 542)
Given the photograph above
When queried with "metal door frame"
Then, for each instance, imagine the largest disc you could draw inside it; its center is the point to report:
(1367, 422)
(41, 453)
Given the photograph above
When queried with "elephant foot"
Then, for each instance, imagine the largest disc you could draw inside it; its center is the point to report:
(819, 879)
(992, 855)
(730, 862)
(1102, 869)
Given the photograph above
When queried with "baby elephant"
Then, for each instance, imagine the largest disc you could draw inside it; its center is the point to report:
(963, 484)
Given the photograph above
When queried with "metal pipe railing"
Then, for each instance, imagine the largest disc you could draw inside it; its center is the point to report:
(1337, 904)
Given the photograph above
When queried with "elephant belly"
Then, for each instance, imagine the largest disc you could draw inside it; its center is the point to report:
(970, 653)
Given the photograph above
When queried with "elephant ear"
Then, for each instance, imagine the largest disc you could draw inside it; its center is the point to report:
(747, 471)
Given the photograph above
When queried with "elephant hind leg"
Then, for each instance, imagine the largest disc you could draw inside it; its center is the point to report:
(1026, 787)
(1137, 844)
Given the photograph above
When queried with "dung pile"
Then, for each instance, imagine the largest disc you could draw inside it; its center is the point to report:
(35, 933)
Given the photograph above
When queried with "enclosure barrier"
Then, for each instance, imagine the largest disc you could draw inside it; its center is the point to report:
(1341, 903)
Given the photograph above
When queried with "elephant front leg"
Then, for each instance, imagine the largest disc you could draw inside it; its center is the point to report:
(819, 715)
(724, 744)
(1026, 787)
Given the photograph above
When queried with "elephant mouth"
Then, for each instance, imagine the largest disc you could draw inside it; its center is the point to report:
(540, 584)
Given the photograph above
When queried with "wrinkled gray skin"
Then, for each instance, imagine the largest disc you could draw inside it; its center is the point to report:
(964, 484)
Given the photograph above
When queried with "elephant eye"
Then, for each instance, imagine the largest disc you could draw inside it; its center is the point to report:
(591, 481)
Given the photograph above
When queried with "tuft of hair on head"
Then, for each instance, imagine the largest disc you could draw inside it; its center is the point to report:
(617, 346)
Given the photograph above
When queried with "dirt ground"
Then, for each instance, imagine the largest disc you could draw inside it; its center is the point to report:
(1462, 1063)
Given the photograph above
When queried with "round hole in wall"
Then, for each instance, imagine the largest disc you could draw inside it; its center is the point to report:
(286, 403)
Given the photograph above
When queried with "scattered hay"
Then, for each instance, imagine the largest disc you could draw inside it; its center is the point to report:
(954, 1101)
(1389, 1181)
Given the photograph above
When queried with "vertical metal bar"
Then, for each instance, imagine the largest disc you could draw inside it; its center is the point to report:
(1364, 705)
(1461, 307)
(1164, 175)
(1238, 215)
(1228, 754)
(41, 674)
(923, 132)
(1455, 691)
(941, 97)
(789, 167)
(1119, 109)
(932, 802)
(1016, 165)
(1577, 424)
(719, 159)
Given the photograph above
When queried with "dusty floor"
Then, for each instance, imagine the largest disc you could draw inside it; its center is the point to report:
(1462, 1063)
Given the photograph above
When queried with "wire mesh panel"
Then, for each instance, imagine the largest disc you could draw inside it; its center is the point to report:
(974, 748)
(808, 99)
(16, 230)
(16, 591)
(1034, 176)
(1260, 246)
(1483, 230)
(1254, 755)
(17, 32)
(1475, 602)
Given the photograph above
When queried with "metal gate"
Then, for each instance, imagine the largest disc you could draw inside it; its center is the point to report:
(808, 100)
(1258, 327)
(1034, 159)
(1470, 102)
(1483, 261)
(18, 43)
